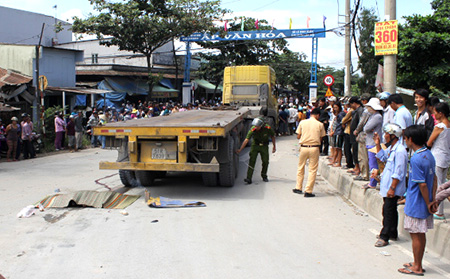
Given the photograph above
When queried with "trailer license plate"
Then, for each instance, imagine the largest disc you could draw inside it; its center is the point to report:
(159, 153)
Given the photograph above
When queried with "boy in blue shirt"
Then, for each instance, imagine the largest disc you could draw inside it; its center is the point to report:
(421, 193)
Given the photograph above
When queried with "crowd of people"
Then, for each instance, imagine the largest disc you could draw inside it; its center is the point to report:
(380, 138)
(18, 137)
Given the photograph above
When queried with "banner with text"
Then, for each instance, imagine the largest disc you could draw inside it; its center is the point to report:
(386, 37)
(257, 35)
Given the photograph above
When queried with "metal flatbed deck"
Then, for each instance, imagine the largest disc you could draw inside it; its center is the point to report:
(190, 118)
(193, 122)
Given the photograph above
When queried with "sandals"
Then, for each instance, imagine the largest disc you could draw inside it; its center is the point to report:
(367, 186)
(407, 270)
(408, 265)
(438, 217)
(381, 243)
(360, 178)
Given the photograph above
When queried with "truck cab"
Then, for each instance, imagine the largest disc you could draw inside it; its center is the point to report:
(253, 87)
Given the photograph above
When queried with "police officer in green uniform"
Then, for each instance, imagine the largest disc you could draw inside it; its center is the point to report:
(261, 133)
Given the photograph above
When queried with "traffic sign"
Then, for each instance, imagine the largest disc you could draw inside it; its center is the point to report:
(328, 80)
(43, 83)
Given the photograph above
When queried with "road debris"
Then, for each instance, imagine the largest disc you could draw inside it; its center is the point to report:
(26, 212)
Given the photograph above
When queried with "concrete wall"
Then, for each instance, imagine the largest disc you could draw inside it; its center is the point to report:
(18, 58)
(22, 27)
(58, 65)
(112, 55)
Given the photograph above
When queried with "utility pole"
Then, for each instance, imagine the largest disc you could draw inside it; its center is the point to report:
(348, 42)
(390, 61)
(38, 93)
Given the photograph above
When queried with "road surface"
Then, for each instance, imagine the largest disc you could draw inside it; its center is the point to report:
(261, 230)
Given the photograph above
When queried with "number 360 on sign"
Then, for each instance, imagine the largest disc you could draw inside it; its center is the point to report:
(386, 37)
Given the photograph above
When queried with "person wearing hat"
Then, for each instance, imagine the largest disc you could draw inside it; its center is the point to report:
(393, 180)
(372, 126)
(261, 133)
(309, 133)
(12, 136)
(27, 129)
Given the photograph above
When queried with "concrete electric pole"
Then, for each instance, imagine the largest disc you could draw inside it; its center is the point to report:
(348, 42)
(390, 61)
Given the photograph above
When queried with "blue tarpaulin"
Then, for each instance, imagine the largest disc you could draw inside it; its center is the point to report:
(80, 100)
(119, 87)
(110, 104)
(166, 82)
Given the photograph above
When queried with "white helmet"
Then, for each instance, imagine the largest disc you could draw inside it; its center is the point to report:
(393, 129)
(384, 95)
(258, 122)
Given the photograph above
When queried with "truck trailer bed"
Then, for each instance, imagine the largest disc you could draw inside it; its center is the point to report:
(193, 122)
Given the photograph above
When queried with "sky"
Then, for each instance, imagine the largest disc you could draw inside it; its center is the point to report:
(278, 12)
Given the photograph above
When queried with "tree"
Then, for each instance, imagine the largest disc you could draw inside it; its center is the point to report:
(424, 49)
(251, 52)
(291, 70)
(142, 26)
(368, 62)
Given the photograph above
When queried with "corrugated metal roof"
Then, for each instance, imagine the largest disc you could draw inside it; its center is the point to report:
(78, 90)
(8, 77)
(7, 108)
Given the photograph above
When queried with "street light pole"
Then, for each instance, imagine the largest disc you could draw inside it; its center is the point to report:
(390, 61)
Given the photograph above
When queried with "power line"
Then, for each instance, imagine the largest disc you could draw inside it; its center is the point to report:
(266, 5)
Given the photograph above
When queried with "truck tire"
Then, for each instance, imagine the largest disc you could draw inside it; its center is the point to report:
(227, 170)
(237, 145)
(209, 179)
(248, 126)
(128, 178)
(145, 178)
(160, 174)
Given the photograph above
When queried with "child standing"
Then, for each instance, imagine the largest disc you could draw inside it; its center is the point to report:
(421, 192)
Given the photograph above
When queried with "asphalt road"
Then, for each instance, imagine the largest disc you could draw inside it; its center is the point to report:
(261, 230)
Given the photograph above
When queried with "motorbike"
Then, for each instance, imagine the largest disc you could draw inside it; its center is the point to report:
(37, 143)
(3, 146)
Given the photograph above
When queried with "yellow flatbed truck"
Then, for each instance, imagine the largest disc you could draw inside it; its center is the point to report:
(194, 141)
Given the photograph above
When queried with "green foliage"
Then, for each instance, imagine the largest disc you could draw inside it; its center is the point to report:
(368, 62)
(424, 50)
(142, 26)
(291, 70)
(251, 52)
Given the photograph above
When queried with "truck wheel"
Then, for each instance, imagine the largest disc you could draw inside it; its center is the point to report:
(237, 145)
(145, 178)
(128, 178)
(272, 123)
(209, 179)
(160, 174)
(227, 170)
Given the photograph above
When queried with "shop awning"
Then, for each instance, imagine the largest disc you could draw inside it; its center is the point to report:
(207, 85)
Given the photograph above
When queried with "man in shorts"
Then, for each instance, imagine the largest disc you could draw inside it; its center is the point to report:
(421, 192)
